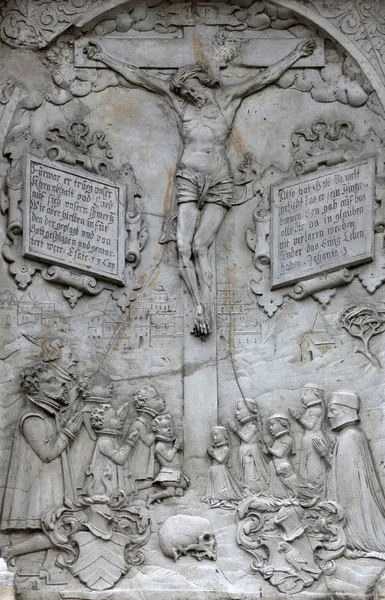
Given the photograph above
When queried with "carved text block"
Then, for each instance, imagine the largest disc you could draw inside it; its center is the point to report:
(73, 218)
(322, 221)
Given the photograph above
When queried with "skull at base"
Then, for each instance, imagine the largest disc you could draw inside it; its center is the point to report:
(182, 535)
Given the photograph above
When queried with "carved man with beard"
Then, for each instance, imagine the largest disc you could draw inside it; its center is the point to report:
(40, 473)
(203, 178)
(57, 353)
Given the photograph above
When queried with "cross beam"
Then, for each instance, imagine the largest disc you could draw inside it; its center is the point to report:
(197, 43)
(152, 51)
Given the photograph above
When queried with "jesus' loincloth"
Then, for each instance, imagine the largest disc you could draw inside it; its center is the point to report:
(198, 188)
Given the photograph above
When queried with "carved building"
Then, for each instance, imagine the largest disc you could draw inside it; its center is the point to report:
(184, 185)
(154, 323)
(317, 342)
(239, 320)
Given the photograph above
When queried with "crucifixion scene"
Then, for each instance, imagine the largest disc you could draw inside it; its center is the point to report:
(205, 108)
(192, 402)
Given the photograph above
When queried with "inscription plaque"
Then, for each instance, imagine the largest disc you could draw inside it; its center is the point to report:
(322, 221)
(73, 218)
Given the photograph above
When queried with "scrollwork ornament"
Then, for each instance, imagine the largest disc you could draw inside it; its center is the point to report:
(325, 297)
(292, 543)
(72, 295)
(99, 538)
(350, 24)
(328, 143)
(269, 300)
(372, 276)
(21, 270)
(362, 21)
(33, 24)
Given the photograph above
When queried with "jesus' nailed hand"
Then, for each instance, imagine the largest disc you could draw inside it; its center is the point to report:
(203, 179)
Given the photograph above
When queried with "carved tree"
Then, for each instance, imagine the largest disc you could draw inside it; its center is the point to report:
(363, 322)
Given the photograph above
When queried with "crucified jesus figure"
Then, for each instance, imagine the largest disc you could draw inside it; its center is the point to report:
(203, 179)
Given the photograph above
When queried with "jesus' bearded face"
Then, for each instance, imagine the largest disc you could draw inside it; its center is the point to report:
(194, 92)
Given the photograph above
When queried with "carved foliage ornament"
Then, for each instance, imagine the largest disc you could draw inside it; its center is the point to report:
(322, 222)
(169, 17)
(99, 536)
(292, 544)
(44, 236)
(33, 24)
(361, 20)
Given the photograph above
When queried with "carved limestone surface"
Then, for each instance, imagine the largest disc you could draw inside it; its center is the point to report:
(284, 540)
(192, 299)
(6, 582)
(183, 535)
(77, 231)
(330, 241)
(70, 204)
(335, 192)
(204, 194)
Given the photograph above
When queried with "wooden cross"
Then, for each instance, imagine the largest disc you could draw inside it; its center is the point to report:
(151, 50)
(171, 51)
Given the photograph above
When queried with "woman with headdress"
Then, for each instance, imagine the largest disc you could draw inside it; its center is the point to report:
(222, 490)
(251, 461)
(281, 451)
(311, 467)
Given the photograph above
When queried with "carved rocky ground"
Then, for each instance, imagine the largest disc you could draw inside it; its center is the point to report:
(192, 312)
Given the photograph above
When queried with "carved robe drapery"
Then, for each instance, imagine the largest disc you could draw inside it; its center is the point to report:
(252, 467)
(143, 457)
(311, 466)
(106, 471)
(40, 474)
(353, 483)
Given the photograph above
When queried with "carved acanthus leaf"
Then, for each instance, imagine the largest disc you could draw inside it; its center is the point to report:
(99, 538)
(34, 23)
(362, 21)
(312, 537)
(323, 143)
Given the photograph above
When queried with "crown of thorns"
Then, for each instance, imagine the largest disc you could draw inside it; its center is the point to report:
(198, 71)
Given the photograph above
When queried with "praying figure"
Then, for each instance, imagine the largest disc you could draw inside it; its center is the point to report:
(168, 453)
(40, 474)
(252, 464)
(105, 475)
(352, 480)
(281, 452)
(95, 388)
(148, 404)
(311, 467)
(222, 491)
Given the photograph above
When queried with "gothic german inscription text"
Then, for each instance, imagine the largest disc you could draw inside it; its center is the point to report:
(322, 221)
(73, 220)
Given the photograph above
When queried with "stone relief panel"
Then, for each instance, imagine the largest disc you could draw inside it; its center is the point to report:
(191, 303)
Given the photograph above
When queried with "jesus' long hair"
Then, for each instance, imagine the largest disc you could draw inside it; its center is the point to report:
(198, 71)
